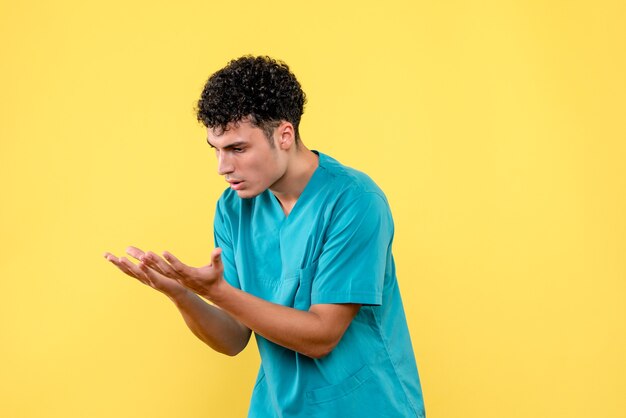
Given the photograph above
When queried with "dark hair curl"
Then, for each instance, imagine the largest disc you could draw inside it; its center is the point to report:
(261, 89)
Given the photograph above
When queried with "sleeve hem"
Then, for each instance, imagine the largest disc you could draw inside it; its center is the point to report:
(363, 298)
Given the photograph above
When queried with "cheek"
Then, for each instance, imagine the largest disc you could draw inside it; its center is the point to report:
(266, 169)
(263, 169)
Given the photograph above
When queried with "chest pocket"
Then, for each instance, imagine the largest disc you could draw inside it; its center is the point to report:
(293, 290)
(302, 298)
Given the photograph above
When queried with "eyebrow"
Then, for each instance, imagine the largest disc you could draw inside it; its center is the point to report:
(237, 144)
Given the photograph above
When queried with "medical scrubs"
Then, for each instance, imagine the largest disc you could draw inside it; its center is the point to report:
(334, 247)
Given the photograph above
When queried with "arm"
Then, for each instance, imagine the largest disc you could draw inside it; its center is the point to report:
(351, 272)
(313, 333)
(210, 324)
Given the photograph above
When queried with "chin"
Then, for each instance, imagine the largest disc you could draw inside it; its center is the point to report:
(246, 194)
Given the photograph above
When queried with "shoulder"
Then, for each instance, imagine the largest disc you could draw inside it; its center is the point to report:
(350, 185)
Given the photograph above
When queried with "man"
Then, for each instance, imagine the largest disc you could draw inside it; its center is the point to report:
(303, 259)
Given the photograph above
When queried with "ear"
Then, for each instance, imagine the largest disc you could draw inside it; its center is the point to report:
(286, 135)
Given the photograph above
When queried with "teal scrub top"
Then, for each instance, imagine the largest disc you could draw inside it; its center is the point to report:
(334, 247)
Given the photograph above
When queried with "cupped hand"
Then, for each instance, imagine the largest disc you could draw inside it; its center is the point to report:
(200, 280)
(146, 275)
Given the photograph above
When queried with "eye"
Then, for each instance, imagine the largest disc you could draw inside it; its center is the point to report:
(238, 150)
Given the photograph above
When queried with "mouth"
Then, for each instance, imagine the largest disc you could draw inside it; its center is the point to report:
(235, 184)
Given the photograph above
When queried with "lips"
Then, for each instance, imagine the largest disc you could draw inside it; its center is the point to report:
(235, 184)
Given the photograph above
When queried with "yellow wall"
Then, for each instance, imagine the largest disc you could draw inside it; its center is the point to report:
(496, 129)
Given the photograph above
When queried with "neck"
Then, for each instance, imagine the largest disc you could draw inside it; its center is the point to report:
(299, 171)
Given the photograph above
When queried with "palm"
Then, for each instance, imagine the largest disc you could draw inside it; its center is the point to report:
(197, 279)
(168, 274)
(164, 284)
(155, 279)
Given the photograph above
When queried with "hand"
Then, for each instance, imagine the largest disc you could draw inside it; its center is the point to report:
(144, 274)
(201, 280)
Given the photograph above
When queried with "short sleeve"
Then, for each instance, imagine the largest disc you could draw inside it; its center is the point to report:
(352, 264)
(222, 234)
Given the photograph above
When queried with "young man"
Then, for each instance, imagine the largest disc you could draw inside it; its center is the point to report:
(303, 259)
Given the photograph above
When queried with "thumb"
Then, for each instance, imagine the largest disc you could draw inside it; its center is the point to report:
(216, 258)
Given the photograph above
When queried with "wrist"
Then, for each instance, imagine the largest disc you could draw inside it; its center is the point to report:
(179, 295)
(217, 291)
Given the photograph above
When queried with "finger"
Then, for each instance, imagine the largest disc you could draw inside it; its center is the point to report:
(123, 264)
(178, 266)
(157, 263)
(216, 258)
(144, 275)
(151, 275)
(130, 268)
(113, 259)
(145, 262)
(123, 267)
(134, 252)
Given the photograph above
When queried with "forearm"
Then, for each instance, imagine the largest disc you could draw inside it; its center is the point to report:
(210, 324)
(306, 332)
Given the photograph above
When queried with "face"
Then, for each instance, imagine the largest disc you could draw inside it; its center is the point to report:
(247, 160)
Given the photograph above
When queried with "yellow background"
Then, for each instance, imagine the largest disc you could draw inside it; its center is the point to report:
(496, 129)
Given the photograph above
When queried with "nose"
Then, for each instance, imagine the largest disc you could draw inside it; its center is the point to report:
(224, 164)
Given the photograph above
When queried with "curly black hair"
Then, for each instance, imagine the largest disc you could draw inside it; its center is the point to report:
(261, 89)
